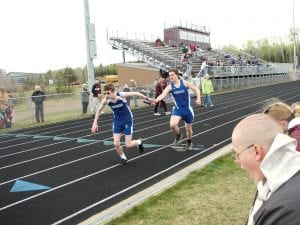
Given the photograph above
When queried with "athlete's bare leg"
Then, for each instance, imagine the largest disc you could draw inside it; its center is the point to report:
(189, 131)
(174, 122)
(117, 144)
(131, 143)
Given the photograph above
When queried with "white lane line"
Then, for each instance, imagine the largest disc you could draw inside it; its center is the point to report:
(136, 131)
(45, 170)
(103, 170)
(136, 184)
(74, 148)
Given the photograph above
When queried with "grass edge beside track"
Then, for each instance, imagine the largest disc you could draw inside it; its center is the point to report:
(183, 199)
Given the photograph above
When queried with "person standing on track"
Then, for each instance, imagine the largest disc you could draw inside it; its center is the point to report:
(182, 109)
(159, 87)
(123, 119)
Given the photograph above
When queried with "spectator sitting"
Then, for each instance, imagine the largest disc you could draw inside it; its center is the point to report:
(159, 43)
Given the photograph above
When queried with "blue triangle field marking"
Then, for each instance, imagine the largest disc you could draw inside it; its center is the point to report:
(83, 140)
(22, 186)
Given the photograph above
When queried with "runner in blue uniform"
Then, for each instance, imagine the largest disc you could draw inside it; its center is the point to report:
(123, 120)
(182, 109)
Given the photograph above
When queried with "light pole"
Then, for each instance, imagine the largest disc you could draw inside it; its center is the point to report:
(91, 51)
(294, 35)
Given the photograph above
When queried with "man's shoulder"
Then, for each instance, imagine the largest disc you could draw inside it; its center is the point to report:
(287, 193)
(283, 206)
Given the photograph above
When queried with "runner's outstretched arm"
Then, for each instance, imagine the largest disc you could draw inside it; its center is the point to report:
(95, 127)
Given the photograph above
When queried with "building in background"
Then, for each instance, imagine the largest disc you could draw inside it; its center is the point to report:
(196, 35)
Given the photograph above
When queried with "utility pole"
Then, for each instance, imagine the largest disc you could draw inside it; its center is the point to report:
(91, 50)
(294, 35)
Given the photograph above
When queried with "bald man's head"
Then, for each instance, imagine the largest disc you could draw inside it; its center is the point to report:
(256, 129)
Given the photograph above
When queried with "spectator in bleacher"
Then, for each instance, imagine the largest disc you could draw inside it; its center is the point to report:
(133, 88)
(255, 61)
(38, 97)
(85, 94)
(193, 48)
(183, 48)
(199, 51)
(159, 43)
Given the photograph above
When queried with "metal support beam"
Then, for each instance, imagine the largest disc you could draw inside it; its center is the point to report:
(89, 46)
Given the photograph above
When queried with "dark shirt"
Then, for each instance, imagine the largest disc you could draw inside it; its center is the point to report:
(96, 90)
(38, 97)
(283, 206)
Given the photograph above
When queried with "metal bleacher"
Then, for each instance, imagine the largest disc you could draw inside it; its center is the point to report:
(147, 52)
(170, 56)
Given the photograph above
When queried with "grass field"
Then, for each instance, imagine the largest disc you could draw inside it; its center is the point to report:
(219, 194)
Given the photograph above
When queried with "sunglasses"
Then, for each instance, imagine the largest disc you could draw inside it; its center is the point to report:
(106, 93)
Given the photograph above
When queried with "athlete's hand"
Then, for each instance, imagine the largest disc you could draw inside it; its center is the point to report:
(198, 102)
(152, 101)
(94, 128)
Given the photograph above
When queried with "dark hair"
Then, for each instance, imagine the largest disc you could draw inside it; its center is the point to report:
(174, 71)
(163, 73)
(109, 87)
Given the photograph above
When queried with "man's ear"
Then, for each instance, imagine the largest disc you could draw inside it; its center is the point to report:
(259, 152)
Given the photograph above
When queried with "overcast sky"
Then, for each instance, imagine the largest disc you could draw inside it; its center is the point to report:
(38, 35)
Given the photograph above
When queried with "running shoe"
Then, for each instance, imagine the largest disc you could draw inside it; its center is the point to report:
(189, 147)
(123, 162)
(177, 140)
(141, 147)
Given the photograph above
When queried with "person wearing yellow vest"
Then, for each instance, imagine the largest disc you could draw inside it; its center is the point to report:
(207, 89)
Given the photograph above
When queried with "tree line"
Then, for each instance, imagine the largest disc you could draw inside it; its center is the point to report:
(64, 78)
(273, 50)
